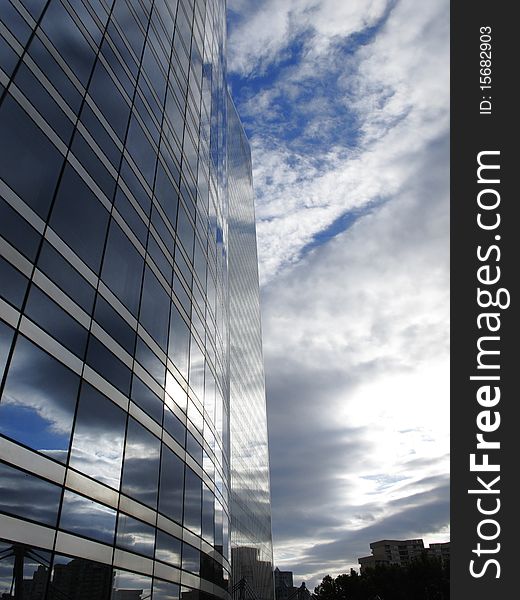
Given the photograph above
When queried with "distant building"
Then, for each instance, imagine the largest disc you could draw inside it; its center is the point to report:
(283, 584)
(301, 593)
(440, 550)
(401, 552)
(392, 552)
(285, 589)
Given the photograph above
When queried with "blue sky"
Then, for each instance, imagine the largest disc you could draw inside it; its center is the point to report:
(346, 105)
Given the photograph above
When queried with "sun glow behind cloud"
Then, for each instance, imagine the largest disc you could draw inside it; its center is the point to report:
(346, 106)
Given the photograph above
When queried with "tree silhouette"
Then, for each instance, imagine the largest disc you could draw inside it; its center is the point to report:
(427, 578)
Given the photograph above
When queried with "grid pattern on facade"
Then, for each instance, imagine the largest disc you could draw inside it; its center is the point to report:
(251, 545)
(113, 333)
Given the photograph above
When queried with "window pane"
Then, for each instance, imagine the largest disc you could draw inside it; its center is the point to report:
(172, 482)
(80, 578)
(53, 319)
(190, 559)
(29, 162)
(127, 210)
(115, 325)
(166, 194)
(155, 306)
(45, 104)
(165, 590)
(8, 61)
(42, 57)
(15, 24)
(192, 501)
(131, 585)
(174, 427)
(197, 370)
(38, 401)
(123, 268)
(83, 516)
(66, 277)
(109, 99)
(35, 572)
(176, 392)
(93, 164)
(179, 341)
(97, 445)
(27, 496)
(143, 396)
(141, 150)
(194, 448)
(150, 361)
(135, 536)
(18, 232)
(80, 219)
(141, 464)
(14, 284)
(185, 231)
(135, 186)
(6, 338)
(108, 365)
(168, 549)
(208, 514)
(68, 39)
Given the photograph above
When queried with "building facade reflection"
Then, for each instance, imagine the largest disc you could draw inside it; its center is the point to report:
(115, 305)
(251, 544)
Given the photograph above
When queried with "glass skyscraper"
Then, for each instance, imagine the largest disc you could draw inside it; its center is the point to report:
(251, 546)
(123, 308)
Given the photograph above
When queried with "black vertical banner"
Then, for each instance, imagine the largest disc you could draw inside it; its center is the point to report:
(485, 267)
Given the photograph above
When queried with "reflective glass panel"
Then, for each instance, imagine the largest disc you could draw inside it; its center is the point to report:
(208, 514)
(99, 433)
(14, 284)
(38, 401)
(67, 38)
(28, 497)
(174, 427)
(179, 341)
(123, 268)
(141, 464)
(143, 396)
(79, 578)
(79, 218)
(53, 319)
(168, 549)
(190, 559)
(100, 358)
(155, 306)
(83, 516)
(135, 536)
(165, 590)
(150, 361)
(29, 162)
(130, 586)
(172, 483)
(18, 232)
(63, 274)
(6, 337)
(114, 324)
(192, 501)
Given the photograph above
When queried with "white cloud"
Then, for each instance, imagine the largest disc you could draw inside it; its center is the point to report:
(267, 28)
(356, 330)
(395, 89)
(362, 325)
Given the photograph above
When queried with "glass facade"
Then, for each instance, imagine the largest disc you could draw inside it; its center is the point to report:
(114, 363)
(251, 545)
(123, 188)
